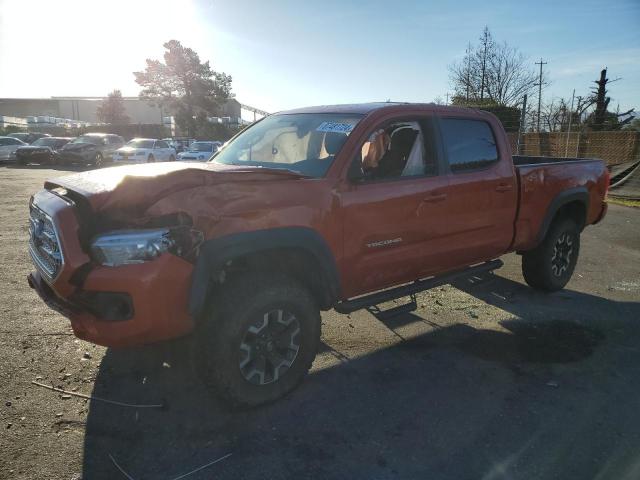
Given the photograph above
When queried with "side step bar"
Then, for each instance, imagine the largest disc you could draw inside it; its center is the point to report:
(358, 303)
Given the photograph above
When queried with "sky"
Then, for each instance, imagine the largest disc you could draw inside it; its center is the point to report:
(286, 54)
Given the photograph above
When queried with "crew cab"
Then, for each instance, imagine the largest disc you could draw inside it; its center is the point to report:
(306, 210)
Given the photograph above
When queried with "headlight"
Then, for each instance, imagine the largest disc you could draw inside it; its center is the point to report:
(126, 247)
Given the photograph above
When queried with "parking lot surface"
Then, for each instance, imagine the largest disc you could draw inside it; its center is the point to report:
(487, 379)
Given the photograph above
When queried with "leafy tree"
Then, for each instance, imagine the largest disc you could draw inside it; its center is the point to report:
(183, 84)
(112, 110)
(492, 72)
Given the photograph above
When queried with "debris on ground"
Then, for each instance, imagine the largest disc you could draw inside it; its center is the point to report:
(129, 477)
(98, 399)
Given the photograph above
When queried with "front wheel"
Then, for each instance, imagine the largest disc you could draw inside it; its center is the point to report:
(550, 265)
(259, 341)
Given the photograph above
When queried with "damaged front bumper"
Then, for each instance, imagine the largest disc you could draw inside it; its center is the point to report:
(119, 306)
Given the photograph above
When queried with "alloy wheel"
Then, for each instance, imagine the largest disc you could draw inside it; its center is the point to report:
(269, 347)
(562, 251)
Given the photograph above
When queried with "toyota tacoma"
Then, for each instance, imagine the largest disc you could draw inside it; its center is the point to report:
(341, 207)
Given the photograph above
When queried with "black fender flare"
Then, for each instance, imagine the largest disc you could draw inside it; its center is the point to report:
(579, 194)
(218, 252)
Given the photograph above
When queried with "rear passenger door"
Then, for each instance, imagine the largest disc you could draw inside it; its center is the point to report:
(482, 190)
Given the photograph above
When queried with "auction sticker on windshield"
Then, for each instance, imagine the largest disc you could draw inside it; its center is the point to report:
(335, 127)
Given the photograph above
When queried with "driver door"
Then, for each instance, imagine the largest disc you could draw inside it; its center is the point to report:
(393, 222)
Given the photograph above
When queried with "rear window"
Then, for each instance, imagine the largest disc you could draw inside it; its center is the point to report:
(469, 144)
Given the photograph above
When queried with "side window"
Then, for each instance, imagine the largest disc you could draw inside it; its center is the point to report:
(468, 144)
(161, 144)
(3, 142)
(398, 150)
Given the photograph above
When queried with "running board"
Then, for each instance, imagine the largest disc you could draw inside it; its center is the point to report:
(366, 301)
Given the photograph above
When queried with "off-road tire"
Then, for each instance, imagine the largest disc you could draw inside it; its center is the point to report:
(234, 308)
(538, 266)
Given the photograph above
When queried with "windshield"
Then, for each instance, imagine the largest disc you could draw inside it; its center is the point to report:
(46, 142)
(306, 142)
(88, 139)
(137, 143)
(201, 147)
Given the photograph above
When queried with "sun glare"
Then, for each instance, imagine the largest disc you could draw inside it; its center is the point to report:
(101, 43)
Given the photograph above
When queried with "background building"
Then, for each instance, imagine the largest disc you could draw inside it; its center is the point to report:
(83, 109)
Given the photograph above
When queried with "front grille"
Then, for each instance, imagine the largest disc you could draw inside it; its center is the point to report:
(44, 245)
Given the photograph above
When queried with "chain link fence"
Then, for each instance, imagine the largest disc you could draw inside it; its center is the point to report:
(620, 150)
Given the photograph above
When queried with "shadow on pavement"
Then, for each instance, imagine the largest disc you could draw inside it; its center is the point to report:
(550, 396)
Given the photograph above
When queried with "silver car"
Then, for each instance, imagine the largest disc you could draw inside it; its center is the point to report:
(8, 147)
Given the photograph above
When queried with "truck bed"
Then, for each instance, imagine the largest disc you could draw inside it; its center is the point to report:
(544, 182)
(522, 160)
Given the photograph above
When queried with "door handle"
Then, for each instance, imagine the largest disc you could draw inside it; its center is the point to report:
(504, 187)
(435, 197)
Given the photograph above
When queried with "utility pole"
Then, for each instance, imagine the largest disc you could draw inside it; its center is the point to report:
(566, 150)
(522, 123)
(446, 102)
(541, 63)
(468, 69)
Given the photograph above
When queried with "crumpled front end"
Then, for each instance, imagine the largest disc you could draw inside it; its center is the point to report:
(115, 306)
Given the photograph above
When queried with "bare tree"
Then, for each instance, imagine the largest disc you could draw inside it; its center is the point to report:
(492, 72)
(602, 118)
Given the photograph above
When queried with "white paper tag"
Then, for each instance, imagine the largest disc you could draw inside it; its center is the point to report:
(335, 127)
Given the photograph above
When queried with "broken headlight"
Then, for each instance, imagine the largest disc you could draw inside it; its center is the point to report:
(126, 247)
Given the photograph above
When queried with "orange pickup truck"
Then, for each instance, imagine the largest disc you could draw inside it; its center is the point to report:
(339, 207)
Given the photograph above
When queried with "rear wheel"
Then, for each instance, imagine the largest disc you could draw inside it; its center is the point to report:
(259, 340)
(98, 160)
(550, 266)
(151, 159)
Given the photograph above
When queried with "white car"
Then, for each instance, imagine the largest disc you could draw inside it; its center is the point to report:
(200, 151)
(141, 150)
(8, 147)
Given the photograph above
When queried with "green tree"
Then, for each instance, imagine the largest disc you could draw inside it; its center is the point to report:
(112, 110)
(187, 87)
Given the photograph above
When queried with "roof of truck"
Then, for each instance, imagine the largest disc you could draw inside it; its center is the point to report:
(365, 108)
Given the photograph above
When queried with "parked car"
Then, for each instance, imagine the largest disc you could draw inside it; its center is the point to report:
(200, 151)
(28, 137)
(140, 150)
(44, 150)
(92, 148)
(176, 145)
(8, 147)
(303, 211)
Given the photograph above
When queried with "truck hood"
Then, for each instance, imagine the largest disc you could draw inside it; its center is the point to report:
(134, 188)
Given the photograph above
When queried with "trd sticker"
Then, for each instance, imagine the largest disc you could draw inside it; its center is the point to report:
(384, 243)
(335, 127)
